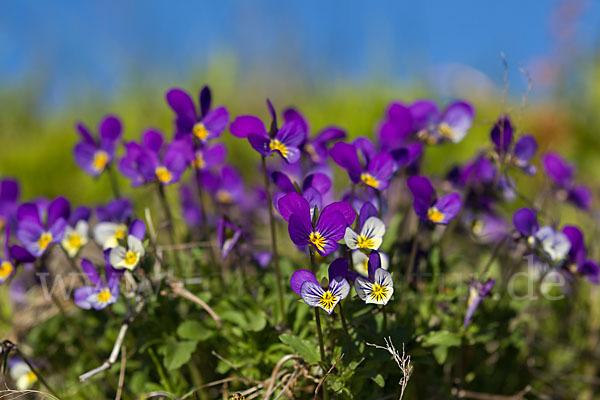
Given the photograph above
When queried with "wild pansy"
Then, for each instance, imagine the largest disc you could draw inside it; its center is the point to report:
(226, 185)
(11, 257)
(203, 123)
(426, 204)
(578, 263)
(154, 160)
(517, 153)
(553, 245)
(103, 292)
(209, 156)
(376, 169)
(228, 235)
(433, 126)
(305, 284)
(370, 230)
(112, 225)
(323, 230)
(21, 374)
(9, 201)
(285, 140)
(562, 175)
(477, 292)
(128, 253)
(37, 230)
(77, 231)
(317, 147)
(360, 261)
(486, 226)
(313, 187)
(378, 287)
(94, 154)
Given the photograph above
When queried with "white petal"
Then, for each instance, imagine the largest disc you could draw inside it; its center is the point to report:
(104, 234)
(82, 228)
(339, 288)
(311, 293)
(373, 228)
(360, 262)
(117, 257)
(363, 288)
(135, 245)
(351, 238)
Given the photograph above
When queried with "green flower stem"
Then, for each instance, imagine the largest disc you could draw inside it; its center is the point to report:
(167, 210)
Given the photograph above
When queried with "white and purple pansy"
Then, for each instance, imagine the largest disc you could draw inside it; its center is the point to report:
(433, 126)
(371, 230)
(128, 255)
(92, 154)
(77, 231)
(378, 287)
(426, 204)
(518, 153)
(38, 228)
(101, 292)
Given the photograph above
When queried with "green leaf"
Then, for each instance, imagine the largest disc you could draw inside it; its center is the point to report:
(178, 353)
(305, 349)
(440, 353)
(443, 338)
(257, 321)
(193, 330)
(378, 379)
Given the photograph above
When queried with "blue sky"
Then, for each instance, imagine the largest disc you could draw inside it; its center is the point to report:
(101, 42)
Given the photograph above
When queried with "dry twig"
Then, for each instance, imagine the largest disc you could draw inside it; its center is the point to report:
(403, 362)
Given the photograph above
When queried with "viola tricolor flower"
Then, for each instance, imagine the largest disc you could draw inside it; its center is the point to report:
(427, 206)
(578, 263)
(305, 284)
(37, 232)
(562, 174)
(477, 292)
(285, 140)
(204, 124)
(360, 261)
(93, 154)
(520, 153)
(154, 160)
(103, 292)
(9, 199)
(113, 223)
(378, 287)
(228, 235)
(376, 170)
(76, 232)
(20, 372)
(434, 127)
(129, 254)
(371, 230)
(554, 245)
(322, 231)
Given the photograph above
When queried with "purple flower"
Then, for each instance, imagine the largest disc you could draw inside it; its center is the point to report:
(103, 292)
(154, 160)
(434, 127)
(323, 230)
(285, 140)
(378, 287)
(9, 200)
(426, 204)
(305, 284)
(94, 154)
(204, 124)
(37, 231)
(519, 154)
(208, 157)
(555, 246)
(488, 227)
(127, 254)
(477, 292)
(77, 231)
(314, 186)
(376, 170)
(578, 262)
(228, 235)
(562, 174)
(371, 230)
(226, 186)
(395, 130)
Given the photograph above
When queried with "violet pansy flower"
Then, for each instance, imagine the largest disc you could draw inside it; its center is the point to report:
(376, 170)
(518, 153)
(578, 263)
(103, 292)
(305, 284)
(554, 245)
(434, 127)
(426, 204)
(562, 174)
(323, 230)
(204, 124)
(37, 231)
(285, 140)
(209, 156)
(94, 154)
(477, 292)
(128, 253)
(378, 287)
(228, 235)
(77, 231)
(371, 230)
(9, 200)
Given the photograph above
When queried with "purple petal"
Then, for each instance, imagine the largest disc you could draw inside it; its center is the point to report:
(374, 264)
(345, 156)
(318, 181)
(260, 144)
(177, 157)
(330, 134)
(314, 199)
(525, 148)
(291, 134)
(118, 210)
(214, 155)
(292, 203)
(299, 229)
(28, 233)
(423, 112)
(21, 255)
(423, 193)
(557, 169)
(291, 114)
(245, 125)
(30, 212)
(366, 211)
(110, 131)
(153, 140)
(90, 272)
(299, 277)
(332, 227)
(459, 116)
(283, 181)
(581, 196)
(577, 253)
(338, 268)
(366, 148)
(59, 208)
(525, 221)
(381, 168)
(590, 270)
(272, 112)
(343, 208)
(449, 206)
(83, 295)
(81, 213)
(9, 191)
(216, 121)
(137, 228)
(183, 105)
(85, 134)
(84, 154)
(502, 134)
(57, 229)
(205, 100)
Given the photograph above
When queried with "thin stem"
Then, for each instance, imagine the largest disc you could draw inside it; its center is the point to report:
(114, 183)
(413, 256)
(204, 223)
(317, 317)
(346, 332)
(167, 210)
(273, 239)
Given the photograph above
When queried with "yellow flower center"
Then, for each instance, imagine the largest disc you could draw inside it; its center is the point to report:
(327, 300)
(104, 296)
(163, 174)
(100, 160)
(317, 240)
(365, 242)
(478, 226)
(434, 215)
(379, 293)
(275, 144)
(369, 180)
(120, 232)
(200, 131)
(74, 241)
(199, 161)
(223, 196)
(445, 130)
(366, 266)
(6, 268)
(31, 377)
(44, 240)
(131, 258)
